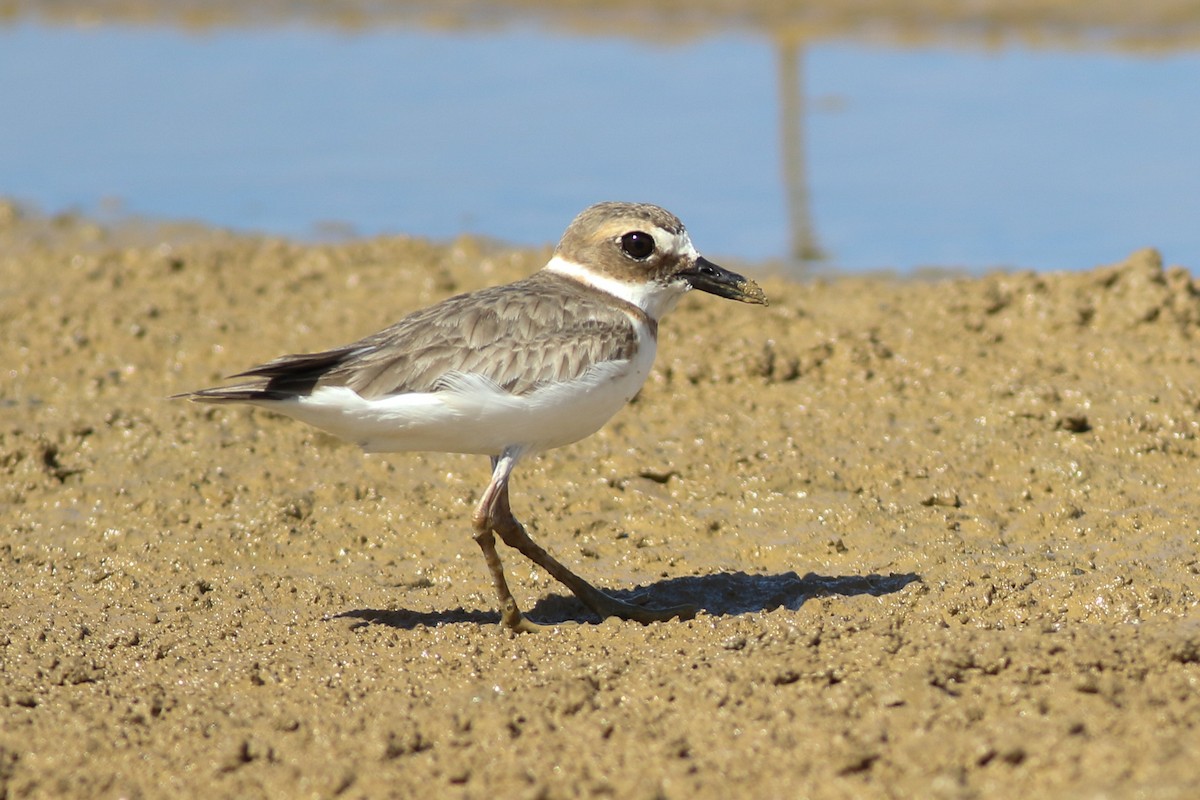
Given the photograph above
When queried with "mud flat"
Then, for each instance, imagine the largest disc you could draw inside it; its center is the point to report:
(1148, 26)
(946, 536)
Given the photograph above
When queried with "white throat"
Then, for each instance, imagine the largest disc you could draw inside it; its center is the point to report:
(653, 297)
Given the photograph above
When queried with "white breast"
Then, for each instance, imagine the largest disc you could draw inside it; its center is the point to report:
(474, 415)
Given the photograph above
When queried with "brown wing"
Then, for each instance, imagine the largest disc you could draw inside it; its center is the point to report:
(514, 335)
(521, 335)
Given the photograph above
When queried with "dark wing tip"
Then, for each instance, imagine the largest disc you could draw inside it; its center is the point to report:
(241, 393)
(285, 378)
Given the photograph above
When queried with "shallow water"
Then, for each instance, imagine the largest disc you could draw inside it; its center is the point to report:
(857, 155)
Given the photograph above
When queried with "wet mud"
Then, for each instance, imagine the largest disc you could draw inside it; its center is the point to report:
(945, 536)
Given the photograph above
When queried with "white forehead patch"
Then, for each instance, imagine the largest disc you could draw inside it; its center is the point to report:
(679, 244)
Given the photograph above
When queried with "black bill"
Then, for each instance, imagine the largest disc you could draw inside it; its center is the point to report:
(708, 277)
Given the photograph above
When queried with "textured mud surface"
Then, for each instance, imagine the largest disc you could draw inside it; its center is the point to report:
(945, 535)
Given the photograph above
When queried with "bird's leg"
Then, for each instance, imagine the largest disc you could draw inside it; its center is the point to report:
(483, 520)
(513, 534)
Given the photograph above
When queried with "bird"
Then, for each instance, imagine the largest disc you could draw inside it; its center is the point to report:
(509, 371)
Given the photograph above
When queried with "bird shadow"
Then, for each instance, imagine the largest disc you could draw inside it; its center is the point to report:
(721, 595)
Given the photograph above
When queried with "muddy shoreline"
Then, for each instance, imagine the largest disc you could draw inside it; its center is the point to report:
(1153, 25)
(945, 535)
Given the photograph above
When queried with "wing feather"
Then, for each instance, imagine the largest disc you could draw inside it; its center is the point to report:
(518, 336)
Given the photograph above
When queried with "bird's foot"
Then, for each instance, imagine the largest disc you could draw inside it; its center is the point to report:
(607, 606)
(604, 606)
(517, 622)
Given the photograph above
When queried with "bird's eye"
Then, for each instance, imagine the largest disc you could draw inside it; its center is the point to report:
(637, 244)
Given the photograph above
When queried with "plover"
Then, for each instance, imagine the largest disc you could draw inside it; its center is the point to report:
(509, 371)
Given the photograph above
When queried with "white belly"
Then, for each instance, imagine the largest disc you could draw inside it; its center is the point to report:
(474, 415)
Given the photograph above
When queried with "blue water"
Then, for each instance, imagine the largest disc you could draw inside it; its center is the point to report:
(947, 157)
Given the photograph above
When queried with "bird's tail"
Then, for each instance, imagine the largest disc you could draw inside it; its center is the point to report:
(284, 378)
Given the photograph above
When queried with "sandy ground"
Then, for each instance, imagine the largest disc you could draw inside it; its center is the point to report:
(945, 535)
(1145, 26)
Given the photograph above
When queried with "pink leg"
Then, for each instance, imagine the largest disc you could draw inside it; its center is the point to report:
(493, 514)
